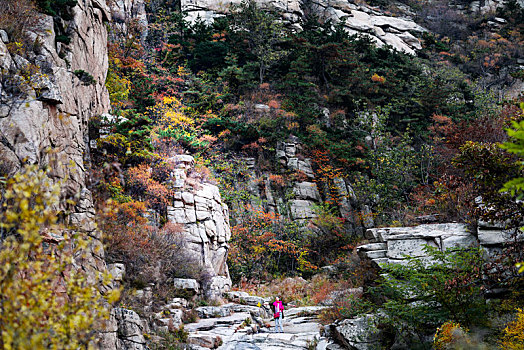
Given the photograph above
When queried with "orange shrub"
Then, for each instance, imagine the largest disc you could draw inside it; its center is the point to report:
(447, 335)
(378, 79)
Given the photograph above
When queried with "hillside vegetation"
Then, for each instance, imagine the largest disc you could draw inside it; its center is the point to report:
(392, 140)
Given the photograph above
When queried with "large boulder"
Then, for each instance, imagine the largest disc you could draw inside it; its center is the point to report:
(357, 333)
(130, 329)
(187, 285)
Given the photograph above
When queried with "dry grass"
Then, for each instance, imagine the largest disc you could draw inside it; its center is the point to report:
(297, 290)
(17, 17)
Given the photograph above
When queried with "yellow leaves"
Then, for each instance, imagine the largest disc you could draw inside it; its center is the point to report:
(176, 118)
(170, 113)
(172, 101)
(513, 337)
(378, 79)
(41, 309)
(24, 204)
(183, 71)
(446, 335)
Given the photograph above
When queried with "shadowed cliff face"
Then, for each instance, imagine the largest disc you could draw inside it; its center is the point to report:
(46, 99)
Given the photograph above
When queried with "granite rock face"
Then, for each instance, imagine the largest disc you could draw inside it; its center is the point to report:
(357, 18)
(130, 330)
(124, 12)
(44, 120)
(205, 220)
(357, 333)
(46, 123)
(301, 198)
(393, 244)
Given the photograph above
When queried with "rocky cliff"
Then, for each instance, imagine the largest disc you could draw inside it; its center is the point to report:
(47, 97)
(399, 32)
(44, 120)
(205, 218)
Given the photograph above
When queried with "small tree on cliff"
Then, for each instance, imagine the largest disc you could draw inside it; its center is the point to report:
(262, 31)
(45, 302)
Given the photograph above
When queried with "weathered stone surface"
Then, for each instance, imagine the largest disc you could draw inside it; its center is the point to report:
(186, 284)
(212, 311)
(391, 244)
(346, 195)
(373, 246)
(253, 300)
(497, 237)
(397, 43)
(205, 221)
(3, 36)
(397, 23)
(358, 333)
(398, 248)
(204, 340)
(177, 303)
(307, 191)
(302, 209)
(168, 317)
(117, 271)
(357, 19)
(338, 295)
(376, 254)
(236, 295)
(217, 286)
(130, 329)
(246, 328)
(455, 241)
(123, 11)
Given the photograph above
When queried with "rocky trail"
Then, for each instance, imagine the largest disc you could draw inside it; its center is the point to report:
(244, 325)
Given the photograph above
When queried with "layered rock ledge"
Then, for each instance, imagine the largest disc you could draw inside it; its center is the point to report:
(394, 244)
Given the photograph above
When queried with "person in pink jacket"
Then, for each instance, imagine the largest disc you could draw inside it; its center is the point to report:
(279, 310)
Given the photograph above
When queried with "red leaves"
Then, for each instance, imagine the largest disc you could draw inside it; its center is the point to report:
(142, 184)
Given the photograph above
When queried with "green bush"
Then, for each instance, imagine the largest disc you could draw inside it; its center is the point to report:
(56, 7)
(84, 77)
(418, 297)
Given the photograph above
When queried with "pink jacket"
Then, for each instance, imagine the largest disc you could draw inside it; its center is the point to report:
(278, 306)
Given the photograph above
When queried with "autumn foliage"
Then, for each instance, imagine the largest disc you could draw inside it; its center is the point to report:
(47, 302)
(265, 243)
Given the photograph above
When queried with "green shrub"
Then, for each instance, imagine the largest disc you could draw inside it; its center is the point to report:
(84, 77)
(418, 297)
(57, 8)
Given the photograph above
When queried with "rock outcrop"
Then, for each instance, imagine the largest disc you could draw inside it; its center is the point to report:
(393, 244)
(357, 18)
(58, 86)
(236, 326)
(357, 333)
(205, 219)
(300, 199)
(124, 12)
